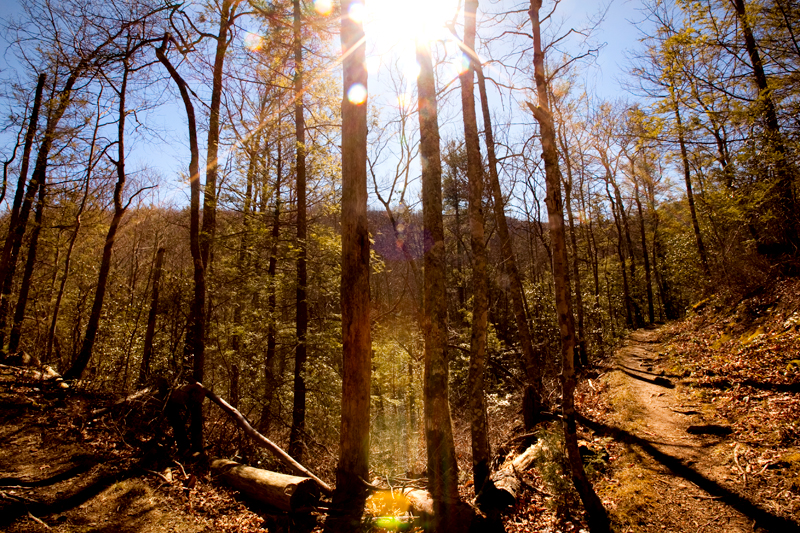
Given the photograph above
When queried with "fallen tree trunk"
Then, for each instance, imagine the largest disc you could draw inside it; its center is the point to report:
(288, 493)
(263, 441)
(507, 478)
(124, 401)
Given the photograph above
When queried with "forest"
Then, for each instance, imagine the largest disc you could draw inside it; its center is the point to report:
(425, 275)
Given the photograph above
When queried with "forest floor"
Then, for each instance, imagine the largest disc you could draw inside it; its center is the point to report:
(693, 426)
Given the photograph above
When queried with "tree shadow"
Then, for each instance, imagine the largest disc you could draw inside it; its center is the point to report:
(650, 373)
(761, 385)
(10, 513)
(660, 381)
(762, 517)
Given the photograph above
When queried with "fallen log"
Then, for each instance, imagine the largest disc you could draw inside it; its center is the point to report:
(398, 509)
(287, 493)
(124, 401)
(263, 441)
(507, 479)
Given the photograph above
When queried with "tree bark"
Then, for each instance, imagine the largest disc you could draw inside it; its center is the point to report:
(195, 338)
(353, 466)
(596, 515)
(507, 478)
(301, 349)
(479, 426)
(442, 466)
(626, 292)
(27, 273)
(16, 230)
(226, 19)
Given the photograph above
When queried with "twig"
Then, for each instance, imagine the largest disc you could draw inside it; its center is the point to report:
(38, 520)
(162, 476)
(736, 460)
(185, 477)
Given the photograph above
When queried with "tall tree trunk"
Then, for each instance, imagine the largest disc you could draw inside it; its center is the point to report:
(532, 358)
(596, 515)
(194, 346)
(442, 466)
(226, 18)
(301, 349)
(23, 199)
(634, 292)
(27, 273)
(701, 249)
(23, 173)
(781, 199)
(626, 292)
(85, 355)
(270, 381)
(647, 275)
(353, 467)
(581, 341)
(144, 372)
(479, 426)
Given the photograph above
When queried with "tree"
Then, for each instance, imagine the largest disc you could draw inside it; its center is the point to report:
(353, 466)
(195, 338)
(532, 359)
(597, 516)
(301, 348)
(14, 220)
(442, 466)
(479, 430)
(79, 365)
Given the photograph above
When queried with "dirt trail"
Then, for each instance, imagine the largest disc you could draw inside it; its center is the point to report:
(685, 473)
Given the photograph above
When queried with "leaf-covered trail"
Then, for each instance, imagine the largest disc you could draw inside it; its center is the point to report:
(679, 460)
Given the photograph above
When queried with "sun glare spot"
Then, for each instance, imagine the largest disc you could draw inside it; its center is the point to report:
(389, 22)
(357, 12)
(404, 100)
(252, 41)
(357, 94)
(323, 7)
(412, 70)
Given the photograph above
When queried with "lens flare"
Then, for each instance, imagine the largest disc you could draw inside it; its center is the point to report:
(464, 64)
(323, 7)
(252, 41)
(404, 100)
(412, 70)
(357, 12)
(357, 94)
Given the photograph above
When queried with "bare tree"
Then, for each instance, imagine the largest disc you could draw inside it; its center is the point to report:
(597, 516)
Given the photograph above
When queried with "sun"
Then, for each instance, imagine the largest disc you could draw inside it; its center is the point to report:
(388, 23)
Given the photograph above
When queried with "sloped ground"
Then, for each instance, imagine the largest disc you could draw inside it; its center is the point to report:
(62, 471)
(704, 420)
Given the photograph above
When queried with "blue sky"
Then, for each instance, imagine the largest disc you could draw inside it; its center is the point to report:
(169, 158)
